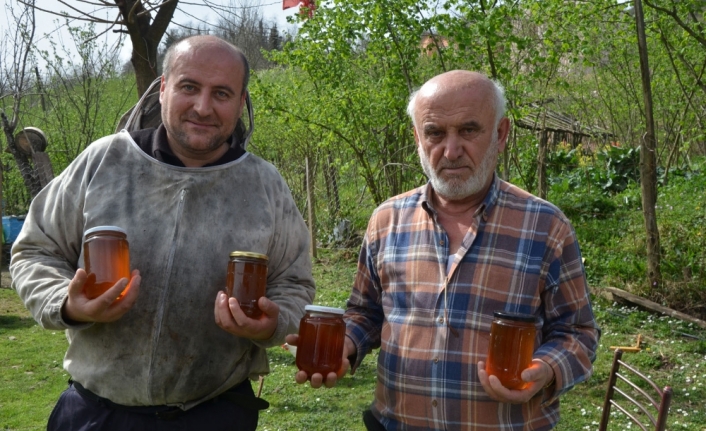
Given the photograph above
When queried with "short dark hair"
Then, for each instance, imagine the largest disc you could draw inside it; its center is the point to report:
(167, 62)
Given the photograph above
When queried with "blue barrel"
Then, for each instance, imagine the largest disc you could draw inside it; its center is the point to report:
(11, 227)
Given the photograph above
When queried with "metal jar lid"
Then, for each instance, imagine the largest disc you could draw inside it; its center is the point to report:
(322, 309)
(105, 229)
(249, 255)
(517, 317)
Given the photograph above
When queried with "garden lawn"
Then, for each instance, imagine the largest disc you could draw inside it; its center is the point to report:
(674, 353)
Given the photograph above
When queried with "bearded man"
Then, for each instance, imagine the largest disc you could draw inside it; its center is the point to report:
(438, 261)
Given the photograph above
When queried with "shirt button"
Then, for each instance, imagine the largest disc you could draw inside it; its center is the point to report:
(441, 242)
(436, 360)
(434, 403)
(441, 320)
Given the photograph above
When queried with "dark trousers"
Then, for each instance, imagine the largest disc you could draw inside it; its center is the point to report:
(84, 411)
(371, 422)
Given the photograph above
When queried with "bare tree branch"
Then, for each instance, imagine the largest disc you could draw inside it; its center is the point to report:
(163, 18)
(76, 10)
(116, 22)
(64, 15)
(28, 42)
(102, 3)
(194, 18)
(131, 15)
(153, 8)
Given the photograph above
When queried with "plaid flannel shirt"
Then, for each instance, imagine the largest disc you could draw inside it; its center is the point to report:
(432, 326)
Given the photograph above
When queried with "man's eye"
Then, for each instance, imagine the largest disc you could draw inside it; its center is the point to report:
(222, 95)
(469, 132)
(188, 87)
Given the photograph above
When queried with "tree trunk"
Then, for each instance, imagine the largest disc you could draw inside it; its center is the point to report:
(310, 206)
(29, 175)
(648, 162)
(542, 164)
(512, 138)
(145, 37)
(331, 177)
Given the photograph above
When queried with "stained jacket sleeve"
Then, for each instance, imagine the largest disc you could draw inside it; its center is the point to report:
(570, 333)
(289, 283)
(46, 252)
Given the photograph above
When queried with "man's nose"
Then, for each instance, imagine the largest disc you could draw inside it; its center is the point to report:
(453, 148)
(203, 104)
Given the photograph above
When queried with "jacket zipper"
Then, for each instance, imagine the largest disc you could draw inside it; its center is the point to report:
(165, 290)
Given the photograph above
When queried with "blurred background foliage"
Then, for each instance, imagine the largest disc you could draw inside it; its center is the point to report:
(330, 112)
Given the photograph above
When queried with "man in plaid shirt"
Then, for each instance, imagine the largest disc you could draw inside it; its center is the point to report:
(437, 261)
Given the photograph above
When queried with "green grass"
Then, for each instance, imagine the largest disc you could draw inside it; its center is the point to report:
(31, 373)
(674, 353)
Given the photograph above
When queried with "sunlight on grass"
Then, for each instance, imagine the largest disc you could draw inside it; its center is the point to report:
(673, 353)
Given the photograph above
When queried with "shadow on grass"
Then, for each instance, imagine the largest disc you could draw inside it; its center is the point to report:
(16, 322)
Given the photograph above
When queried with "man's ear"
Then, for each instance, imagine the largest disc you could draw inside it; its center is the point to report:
(242, 103)
(503, 133)
(162, 87)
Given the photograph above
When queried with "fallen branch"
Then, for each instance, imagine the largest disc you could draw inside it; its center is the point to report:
(653, 306)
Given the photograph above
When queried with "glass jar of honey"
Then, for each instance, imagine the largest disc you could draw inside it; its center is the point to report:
(511, 347)
(321, 336)
(246, 280)
(106, 256)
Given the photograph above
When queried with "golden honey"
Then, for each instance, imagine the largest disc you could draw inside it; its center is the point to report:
(321, 336)
(246, 280)
(106, 256)
(511, 347)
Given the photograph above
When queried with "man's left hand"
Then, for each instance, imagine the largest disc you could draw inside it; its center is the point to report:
(230, 317)
(537, 376)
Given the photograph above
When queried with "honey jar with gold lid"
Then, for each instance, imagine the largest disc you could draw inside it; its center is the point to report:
(106, 256)
(246, 280)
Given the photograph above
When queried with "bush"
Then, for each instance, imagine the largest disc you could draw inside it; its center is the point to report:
(579, 204)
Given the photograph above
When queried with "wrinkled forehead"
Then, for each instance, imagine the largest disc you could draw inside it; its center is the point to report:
(438, 102)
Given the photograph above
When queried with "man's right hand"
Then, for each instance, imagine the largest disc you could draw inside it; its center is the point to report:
(317, 380)
(105, 308)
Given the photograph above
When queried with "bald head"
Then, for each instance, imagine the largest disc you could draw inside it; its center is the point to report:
(457, 80)
(193, 43)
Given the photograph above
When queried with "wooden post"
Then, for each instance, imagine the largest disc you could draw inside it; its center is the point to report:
(310, 207)
(542, 183)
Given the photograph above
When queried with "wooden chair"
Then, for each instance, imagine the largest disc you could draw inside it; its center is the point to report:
(641, 400)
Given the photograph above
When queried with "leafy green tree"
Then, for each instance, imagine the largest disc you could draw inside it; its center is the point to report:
(355, 64)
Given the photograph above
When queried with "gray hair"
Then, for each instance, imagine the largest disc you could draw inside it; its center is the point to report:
(168, 57)
(498, 92)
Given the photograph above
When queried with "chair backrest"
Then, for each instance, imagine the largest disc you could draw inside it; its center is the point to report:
(636, 396)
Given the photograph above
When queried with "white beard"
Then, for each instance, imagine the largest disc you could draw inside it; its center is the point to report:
(455, 188)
